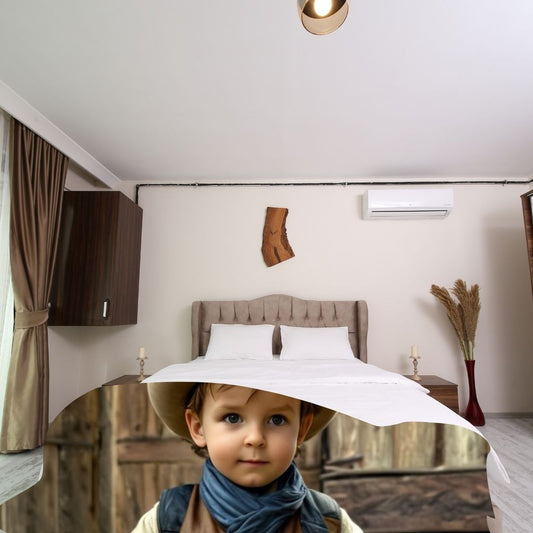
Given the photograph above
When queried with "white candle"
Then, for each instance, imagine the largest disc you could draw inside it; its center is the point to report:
(414, 351)
(142, 353)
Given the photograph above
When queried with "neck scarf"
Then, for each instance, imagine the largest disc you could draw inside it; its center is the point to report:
(240, 510)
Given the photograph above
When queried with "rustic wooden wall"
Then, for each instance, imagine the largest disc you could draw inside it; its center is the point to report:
(106, 460)
(409, 477)
(108, 457)
(66, 497)
(406, 446)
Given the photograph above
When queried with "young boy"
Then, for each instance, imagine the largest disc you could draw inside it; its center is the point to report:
(249, 483)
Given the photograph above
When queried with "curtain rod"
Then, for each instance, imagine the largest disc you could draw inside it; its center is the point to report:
(329, 183)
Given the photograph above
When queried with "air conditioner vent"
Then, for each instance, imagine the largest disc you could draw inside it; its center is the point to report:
(407, 203)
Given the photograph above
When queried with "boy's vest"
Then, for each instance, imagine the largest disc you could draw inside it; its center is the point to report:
(182, 508)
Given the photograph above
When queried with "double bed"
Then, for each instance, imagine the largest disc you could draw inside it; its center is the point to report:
(363, 391)
(378, 401)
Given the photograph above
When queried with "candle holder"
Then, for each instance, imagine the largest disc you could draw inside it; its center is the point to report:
(141, 360)
(416, 377)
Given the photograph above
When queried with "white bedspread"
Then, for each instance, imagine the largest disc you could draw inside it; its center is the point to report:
(357, 389)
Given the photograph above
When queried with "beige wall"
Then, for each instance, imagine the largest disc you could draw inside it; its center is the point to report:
(205, 243)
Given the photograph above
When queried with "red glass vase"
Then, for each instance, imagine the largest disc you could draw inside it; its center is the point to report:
(473, 412)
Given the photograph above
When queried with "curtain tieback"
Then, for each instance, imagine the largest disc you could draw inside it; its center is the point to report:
(30, 319)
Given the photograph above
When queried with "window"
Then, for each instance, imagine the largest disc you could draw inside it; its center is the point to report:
(6, 291)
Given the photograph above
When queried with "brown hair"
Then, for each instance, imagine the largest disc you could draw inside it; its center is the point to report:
(195, 402)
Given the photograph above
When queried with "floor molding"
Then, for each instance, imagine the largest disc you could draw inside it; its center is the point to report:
(508, 415)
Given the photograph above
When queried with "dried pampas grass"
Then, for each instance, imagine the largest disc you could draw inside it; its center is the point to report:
(463, 313)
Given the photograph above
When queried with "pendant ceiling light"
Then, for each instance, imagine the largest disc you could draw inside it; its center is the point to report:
(322, 16)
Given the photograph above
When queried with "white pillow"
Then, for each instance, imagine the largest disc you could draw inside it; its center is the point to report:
(240, 341)
(315, 343)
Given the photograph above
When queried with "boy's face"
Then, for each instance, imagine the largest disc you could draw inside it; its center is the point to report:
(251, 436)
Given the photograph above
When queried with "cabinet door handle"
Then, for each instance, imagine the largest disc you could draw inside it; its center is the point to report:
(105, 310)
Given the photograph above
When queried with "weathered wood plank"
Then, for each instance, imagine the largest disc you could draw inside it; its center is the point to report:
(78, 422)
(348, 437)
(133, 416)
(139, 485)
(415, 503)
(154, 451)
(414, 445)
(411, 445)
(77, 489)
(463, 448)
(106, 461)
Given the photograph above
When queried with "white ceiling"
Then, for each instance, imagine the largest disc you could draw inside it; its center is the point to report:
(237, 89)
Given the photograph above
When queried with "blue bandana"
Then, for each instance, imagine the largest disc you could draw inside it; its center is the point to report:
(241, 510)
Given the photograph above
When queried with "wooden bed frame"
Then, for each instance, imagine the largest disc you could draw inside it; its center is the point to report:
(279, 309)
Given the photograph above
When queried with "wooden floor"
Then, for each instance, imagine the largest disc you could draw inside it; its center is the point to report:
(18, 472)
(511, 437)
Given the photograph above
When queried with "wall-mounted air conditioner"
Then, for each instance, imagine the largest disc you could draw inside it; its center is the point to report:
(407, 203)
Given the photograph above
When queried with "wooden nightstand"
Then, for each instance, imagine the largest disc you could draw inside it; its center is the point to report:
(127, 379)
(442, 390)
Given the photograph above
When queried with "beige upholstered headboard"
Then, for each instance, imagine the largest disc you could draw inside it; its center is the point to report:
(281, 309)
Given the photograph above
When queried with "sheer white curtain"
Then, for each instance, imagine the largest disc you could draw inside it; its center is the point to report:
(6, 292)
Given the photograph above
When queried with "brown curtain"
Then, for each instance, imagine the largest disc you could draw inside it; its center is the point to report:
(38, 174)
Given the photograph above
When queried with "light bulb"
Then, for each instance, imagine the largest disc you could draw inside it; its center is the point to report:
(322, 7)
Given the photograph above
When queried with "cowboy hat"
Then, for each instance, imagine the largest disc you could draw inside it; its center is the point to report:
(169, 399)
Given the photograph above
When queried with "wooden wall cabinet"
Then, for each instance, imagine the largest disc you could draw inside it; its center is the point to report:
(96, 278)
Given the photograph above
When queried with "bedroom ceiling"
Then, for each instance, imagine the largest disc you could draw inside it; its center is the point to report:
(238, 90)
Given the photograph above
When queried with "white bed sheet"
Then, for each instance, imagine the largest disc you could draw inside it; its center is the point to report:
(351, 387)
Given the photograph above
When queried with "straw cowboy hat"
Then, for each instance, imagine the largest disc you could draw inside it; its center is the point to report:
(168, 400)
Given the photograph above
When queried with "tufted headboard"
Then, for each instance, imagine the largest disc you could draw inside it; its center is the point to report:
(281, 309)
